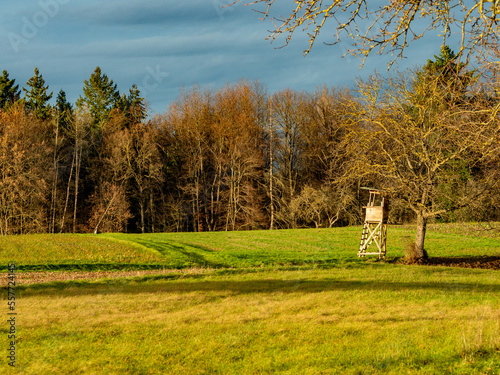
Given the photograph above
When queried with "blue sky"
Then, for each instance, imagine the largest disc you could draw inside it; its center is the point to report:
(164, 46)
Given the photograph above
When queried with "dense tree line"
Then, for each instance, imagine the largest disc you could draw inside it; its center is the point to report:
(230, 159)
(241, 158)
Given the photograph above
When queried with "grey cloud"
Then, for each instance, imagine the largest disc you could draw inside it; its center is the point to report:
(135, 12)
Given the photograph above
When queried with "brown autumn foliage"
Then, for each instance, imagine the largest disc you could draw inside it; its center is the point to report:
(216, 139)
(25, 159)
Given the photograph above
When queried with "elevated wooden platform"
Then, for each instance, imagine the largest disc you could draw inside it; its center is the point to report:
(375, 225)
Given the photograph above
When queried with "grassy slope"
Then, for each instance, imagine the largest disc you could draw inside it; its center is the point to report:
(223, 249)
(357, 317)
(71, 250)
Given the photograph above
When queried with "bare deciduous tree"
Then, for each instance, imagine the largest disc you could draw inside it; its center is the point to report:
(290, 115)
(25, 172)
(387, 27)
(110, 211)
(426, 150)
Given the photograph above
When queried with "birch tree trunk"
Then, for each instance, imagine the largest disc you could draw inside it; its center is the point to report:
(67, 193)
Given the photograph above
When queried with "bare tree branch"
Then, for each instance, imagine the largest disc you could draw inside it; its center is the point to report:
(391, 27)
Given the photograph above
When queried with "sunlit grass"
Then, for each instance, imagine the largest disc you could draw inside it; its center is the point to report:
(329, 247)
(71, 249)
(471, 229)
(358, 320)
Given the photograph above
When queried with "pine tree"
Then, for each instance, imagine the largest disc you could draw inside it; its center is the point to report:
(451, 76)
(100, 96)
(445, 63)
(133, 105)
(136, 102)
(62, 104)
(9, 91)
(64, 109)
(36, 98)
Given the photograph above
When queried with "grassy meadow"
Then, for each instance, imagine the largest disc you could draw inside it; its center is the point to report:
(328, 247)
(288, 302)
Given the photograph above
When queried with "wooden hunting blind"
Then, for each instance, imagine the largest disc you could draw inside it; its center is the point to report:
(375, 225)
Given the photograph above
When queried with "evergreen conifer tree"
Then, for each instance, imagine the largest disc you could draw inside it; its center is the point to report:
(452, 77)
(62, 103)
(64, 109)
(132, 105)
(100, 96)
(9, 91)
(137, 107)
(36, 98)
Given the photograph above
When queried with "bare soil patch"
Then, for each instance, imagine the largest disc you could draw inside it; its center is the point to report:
(487, 262)
(484, 262)
(28, 278)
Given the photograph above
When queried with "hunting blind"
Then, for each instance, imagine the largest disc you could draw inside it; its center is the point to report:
(375, 225)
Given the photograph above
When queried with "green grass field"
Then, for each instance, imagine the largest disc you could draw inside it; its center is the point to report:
(290, 302)
(328, 247)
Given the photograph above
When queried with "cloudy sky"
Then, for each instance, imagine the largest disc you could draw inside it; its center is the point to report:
(166, 45)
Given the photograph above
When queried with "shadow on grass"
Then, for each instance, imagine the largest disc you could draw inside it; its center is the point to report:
(89, 267)
(185, 255)
(182, 283)
(195, 258)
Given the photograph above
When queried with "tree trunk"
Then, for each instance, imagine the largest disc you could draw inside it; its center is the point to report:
(420, 236)
(96, 229)
(141, 205)
(55, 182)
(271, 140)
(151, 205)
(67, 193)
(77, 181)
